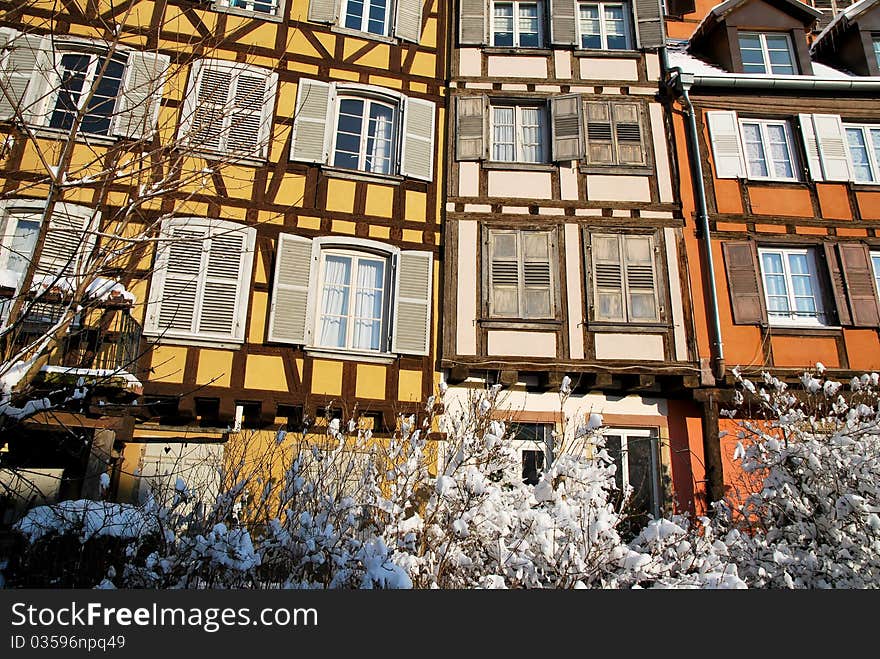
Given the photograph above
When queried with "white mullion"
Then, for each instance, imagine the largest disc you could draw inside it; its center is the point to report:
(789, 285)
(352, 301)
(603, 31)
(765, 52)
(519, 155)
(200, 283)
(365, 132)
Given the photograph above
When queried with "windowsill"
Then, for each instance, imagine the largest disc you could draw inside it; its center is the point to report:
(83, 138)
(214, 342)
(514, 50)
(776, 324)
(357, 175)
(618, 326)
(633, 170)
(619, 54)
(363, 35)
(776, 181)
(860, 186)
(521, 166)
(351, 355)
(237, 11)
(501, 323)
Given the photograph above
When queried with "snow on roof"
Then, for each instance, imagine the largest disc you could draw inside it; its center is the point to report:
(727, 6)
(849, 14)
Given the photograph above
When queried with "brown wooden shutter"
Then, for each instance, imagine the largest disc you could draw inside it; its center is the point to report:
(838, 285)
(537, 274)
(629, 133)
(607, 273)
(858, 273)
(566, 125)
(470, 127)
(744, 283)
(600, 138)
(472, 22)
(504, 281)
(641, 281)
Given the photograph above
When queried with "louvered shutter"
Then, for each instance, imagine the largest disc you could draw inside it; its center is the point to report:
(141, 94)
(252, 103)
(310, 121)
(838, 285)
(504, 281)
(608, 283)
(641, 280)
(472, 22)
(290, 297)
(537, 275)
(175, 286)
(323, 11)
(408, 25)
(417, 159)
(470, 127)
(227, 274)
(726, 146)
(744, 283)
(833, 149)
(567, 135)
(207, 102)
(858, 273)
(563, 22)
(649, 18)
(811, 146)
(24, 75)
(600, 138)
(69, 240)
(412, 315)
(628, 133)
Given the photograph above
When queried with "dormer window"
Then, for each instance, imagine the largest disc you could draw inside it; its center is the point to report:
(766, 52)
(875, 39)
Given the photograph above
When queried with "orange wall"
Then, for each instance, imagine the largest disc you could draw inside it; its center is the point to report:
(780, 201)
(869, 205)
(686, 450)
(804, 351)
(738, 484)
(862, 349)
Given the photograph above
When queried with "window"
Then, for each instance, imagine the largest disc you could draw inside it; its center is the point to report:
(636, 455)
(373, 130)
(875, 264)
(18, 237)
(766, 52)
(521, 278)
(876, 42)
(367, 16)
(624, 278)
(519, 133)
(791, 286)
(384, 19)
(229, 109)
(201, 280)
(864, 152)
(349, 294)
(267, 7)
(604, 25)
(535, 444)
(82, 76)
(517, 24)
(768, 149)
(614, 133)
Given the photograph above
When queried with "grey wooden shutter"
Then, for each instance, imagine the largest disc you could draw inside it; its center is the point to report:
(251, 105)
(138, 108)
(408, 25)
(858, 273)
(744, 283)
(69, 240)
(504, 273)
(417, 159)
(649, 18)
(727, 150)
(24, 76)
(323, 11)
(833, 149)
(176, 280)
(811, 146)
(227, 270)
(470, 127)
(608, 285)
(412, 316)
(568, 142)
(642, 301)
(290, 296)
(563, 22)
(537, 274)
(600, 133)
(629, 133)
(310, 121)
(838, 285)
(472, 22)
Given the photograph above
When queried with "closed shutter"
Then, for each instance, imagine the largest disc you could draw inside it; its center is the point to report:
(175, 286)
(641, 281)
(252, 103)
(290, 297)
(744, 283)
(608, 285)
(472, 22)
(566, 125)
(838, 285)
(833, 148)
(470, 127)
(226, 271)
(207, 101)
(504, 281)
(537, 274)
(310, 121)
(629, 133)
(69, 240)
(649, 18)
(858, 273)
(412, 316)
(408, 25)
(141, 94)
(417, 159)
(563, 22)
(24, 74)
(323, 11)
(600, 135)
(811, 146)
(726, 146)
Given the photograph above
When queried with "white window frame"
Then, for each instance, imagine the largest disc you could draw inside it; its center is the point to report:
(792, 319)
(765, 52)
(518, 145)
(365, 18)
(10, 217)
(543, 446)
(765, 144)
(368, 100)
(625, 435)
(516, 32)
(249, 8)
(603, 30)
(867, 135)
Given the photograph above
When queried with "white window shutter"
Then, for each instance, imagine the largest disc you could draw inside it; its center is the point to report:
(472, 22)
(290, 297)
(408, 25)
(137, 111)
(250, 114)
(224, 296)
(310, 121)
(323, 11)
(504, 280)
(69, 240)
(207, 101)
(417, 159)
(811, 146)
(726, 146)
(412, 314)
(176, 281)
(833, 149)
(568, 141)
(24, 75)
(563, 22)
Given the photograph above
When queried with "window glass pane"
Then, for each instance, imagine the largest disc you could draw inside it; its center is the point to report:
(531, 134)
(640, 473)
(779, 151)
(755, 150)
(335, 301)
(21, 246)
(503, 146)
(591, 36)
(354, 14)
(528, 26)
(376, 21)
(642, 306)
(502, 27)
(73, 71)
(752, 53)
(877, 50)
(615, 27)
(369, 298)
(348, 133)
(780, 54)
(875, 141)
(774, 282)
(858, 152)
(379, 139)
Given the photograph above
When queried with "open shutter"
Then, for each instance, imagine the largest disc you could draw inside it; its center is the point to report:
(600, 138)
(470, 127)
(858, 273)
(250, 123)
(504, 282)
(24, 75)
(568, 143)
(833, 148)
(417, 159)
(290, 297)
(323, 11)
(175, 285)
(206, 105)
(408, 25)
(310, 121)
(537, 274)
(138, 108)
(226, 281)
(726, 146)
(607, 273)
(472, 22)
(629, 133)
(70, 238)
(641, 280)
(563, 22)
(649, 18)
(744, 283)
(838, 285)
(811, 146)
(412, 315)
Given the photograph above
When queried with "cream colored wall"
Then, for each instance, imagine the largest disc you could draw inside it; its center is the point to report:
(573, 279)
(466, 289)
(528, 185)
(629, 346)
(517, 67)
(618, 188)
(675, 295)
(609, 69)
(521, 344)
(661, 153)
